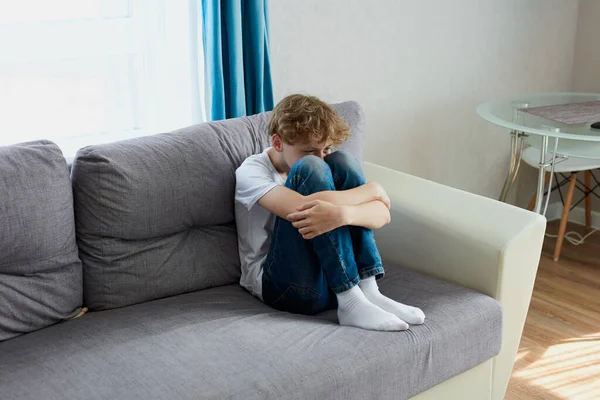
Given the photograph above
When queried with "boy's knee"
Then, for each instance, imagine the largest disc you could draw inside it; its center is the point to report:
(343, 159)
(313, 169)
(309, 165)
(342, 162)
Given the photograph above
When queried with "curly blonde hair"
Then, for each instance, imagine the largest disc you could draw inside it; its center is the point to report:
(301, 118)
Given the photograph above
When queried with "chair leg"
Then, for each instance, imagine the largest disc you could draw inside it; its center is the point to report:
(565, 217)
(532, 202)
(534, 198)
(588, 199)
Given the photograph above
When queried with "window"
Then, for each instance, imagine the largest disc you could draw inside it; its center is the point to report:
(89, 71)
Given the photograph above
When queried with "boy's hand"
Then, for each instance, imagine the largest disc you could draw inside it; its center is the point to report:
(317, 217)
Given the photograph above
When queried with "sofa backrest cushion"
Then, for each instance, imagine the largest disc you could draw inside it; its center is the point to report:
(40, 271)
(155, 215)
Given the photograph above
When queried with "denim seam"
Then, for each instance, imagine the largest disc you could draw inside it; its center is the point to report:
(275, 245)
(346, 286)
(364, 274)
(339, 255)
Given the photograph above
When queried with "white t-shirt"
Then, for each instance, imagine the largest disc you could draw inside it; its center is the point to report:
(254, 178)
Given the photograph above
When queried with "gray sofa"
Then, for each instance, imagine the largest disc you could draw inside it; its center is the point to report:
(142, 233)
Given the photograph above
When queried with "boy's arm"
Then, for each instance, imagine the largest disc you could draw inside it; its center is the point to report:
(318, 217)
(283, 201)
(370, 191)
(372, 215)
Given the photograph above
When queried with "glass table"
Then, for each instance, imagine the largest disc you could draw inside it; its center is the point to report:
(562, 140)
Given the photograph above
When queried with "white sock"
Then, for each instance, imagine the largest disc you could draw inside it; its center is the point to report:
(355, 310)
(412, 315)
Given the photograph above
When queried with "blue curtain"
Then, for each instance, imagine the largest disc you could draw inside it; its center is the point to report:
(236, 55)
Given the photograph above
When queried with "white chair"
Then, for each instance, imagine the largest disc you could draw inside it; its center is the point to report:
(570, 166)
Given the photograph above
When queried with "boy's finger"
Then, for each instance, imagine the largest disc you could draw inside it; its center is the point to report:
(297, 216)
(306, 206)
(300, 223)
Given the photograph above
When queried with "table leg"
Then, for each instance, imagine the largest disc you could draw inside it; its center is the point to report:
(520, 143)
(541, 177)
(510, 176)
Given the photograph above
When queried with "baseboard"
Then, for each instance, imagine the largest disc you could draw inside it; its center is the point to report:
(577, 215)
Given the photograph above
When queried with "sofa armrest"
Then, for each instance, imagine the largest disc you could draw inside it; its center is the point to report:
(474, 241)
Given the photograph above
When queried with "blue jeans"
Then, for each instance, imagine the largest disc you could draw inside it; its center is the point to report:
(302, 276)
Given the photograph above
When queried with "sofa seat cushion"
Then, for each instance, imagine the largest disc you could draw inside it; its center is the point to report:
(223, 343)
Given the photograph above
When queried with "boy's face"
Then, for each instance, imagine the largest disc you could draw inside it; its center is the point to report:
(293, 152)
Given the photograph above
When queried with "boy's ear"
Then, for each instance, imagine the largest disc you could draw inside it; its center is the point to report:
(277, 142)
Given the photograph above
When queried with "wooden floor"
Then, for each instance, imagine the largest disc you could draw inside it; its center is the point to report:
(559, 355)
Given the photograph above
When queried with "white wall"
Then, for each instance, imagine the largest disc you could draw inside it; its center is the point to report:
(419, 68)
(586, 71)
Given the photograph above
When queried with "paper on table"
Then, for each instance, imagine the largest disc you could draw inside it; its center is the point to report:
(570, 114)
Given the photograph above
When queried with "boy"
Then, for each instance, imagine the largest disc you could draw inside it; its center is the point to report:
(305, 218)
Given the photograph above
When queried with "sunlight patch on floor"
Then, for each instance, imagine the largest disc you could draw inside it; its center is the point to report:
(569, 370)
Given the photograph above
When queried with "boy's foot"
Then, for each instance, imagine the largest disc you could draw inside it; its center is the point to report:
(412, 315)
(355, 310)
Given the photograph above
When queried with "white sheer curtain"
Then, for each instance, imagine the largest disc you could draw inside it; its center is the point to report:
(80, 72)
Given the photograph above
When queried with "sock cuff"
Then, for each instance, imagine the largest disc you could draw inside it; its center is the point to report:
(368, 283)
